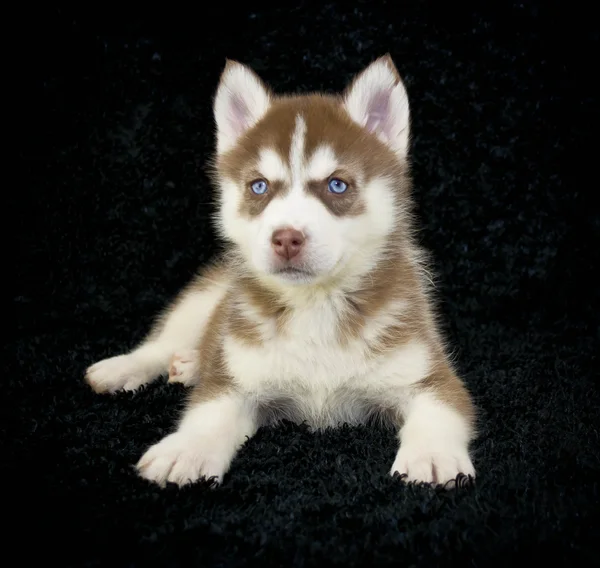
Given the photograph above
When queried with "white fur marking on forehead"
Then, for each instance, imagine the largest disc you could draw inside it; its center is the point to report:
(272, 166)
(322, 163)
(297, 151)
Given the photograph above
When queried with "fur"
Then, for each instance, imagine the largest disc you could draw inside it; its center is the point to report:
(334, 325)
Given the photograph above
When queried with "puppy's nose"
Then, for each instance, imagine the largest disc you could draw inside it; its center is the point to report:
(287, 243)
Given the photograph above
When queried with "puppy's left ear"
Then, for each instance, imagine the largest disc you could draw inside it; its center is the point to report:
(377, 101)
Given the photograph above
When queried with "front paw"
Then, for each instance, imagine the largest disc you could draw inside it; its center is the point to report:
(435, 464)
(123, 372)
(183, 458)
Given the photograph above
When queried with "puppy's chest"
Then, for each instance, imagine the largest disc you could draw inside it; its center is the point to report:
(304, 354)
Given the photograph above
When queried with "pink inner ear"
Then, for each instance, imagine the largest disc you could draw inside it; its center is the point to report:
(378, 113)
(238, 113)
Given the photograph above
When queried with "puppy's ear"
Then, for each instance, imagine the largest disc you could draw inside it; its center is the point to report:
(241, 100)
(377, 100)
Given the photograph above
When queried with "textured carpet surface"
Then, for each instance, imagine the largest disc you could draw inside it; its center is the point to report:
(111, 208)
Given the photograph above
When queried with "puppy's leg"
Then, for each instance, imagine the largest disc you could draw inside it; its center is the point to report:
(178, 330)
(217, 421)
(212, 430)
(437, 429)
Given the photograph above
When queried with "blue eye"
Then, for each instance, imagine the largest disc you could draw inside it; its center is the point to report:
(337, 185)
(259, 186)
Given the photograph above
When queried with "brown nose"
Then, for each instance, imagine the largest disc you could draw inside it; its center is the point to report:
(287, 242)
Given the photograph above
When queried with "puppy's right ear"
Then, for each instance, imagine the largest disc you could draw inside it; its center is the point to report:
(242, 99)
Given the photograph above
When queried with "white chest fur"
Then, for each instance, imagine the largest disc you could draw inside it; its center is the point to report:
(306, 356)
(324, 381)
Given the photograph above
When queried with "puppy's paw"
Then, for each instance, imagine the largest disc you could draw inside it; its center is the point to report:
(123, 372)
(435, 465)
(182, 458)
(184, 367)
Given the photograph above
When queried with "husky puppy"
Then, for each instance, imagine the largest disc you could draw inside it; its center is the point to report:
(320, 309)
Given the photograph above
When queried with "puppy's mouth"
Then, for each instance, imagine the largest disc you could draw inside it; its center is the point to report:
(292, 270)
(294, 273)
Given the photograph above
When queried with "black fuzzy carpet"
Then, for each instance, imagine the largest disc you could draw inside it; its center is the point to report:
(110, 207)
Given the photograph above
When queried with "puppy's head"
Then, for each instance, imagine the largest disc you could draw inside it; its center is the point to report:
(311, 187)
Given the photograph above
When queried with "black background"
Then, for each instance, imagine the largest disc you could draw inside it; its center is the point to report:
(109, 206)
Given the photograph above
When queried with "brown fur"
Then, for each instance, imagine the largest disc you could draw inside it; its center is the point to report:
(394, 279)
(214, 377)
(446, 385)
(267, 302)
(242, 328)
